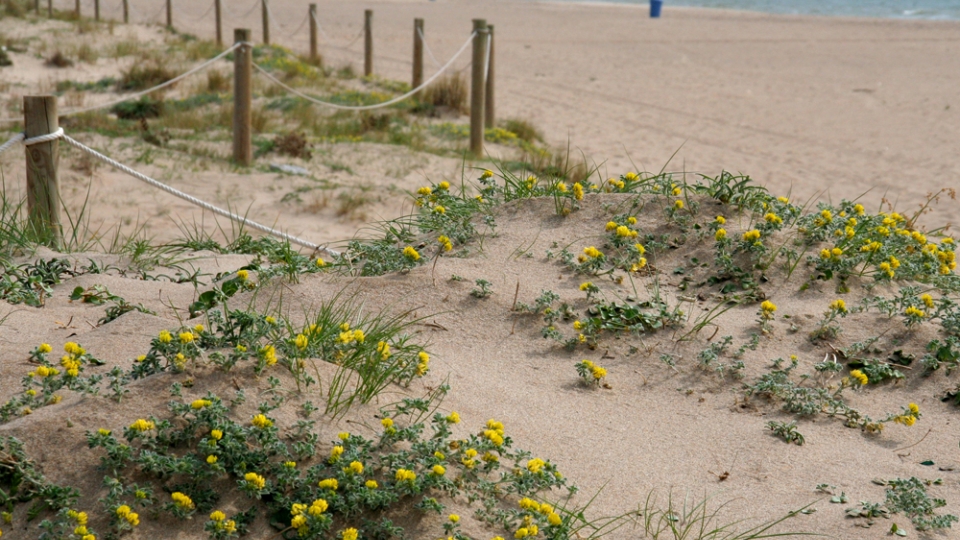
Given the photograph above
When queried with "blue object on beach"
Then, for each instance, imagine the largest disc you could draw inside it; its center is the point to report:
(655, 6)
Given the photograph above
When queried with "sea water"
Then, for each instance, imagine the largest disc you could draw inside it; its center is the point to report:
(904, 9)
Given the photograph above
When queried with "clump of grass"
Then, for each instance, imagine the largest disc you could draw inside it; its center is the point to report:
(218, 81)
(523, 129)
(293, 144)
(59, 60)
(448, 92)
(142, 75)
(692, 519)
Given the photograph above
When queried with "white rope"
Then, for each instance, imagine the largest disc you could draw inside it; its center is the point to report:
(423, 40)
(43, 138)
(320, 27)
(368, 107)
(174, 80)
(11, 143)
(486, 62)
(193, 200)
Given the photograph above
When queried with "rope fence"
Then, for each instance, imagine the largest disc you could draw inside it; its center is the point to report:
(41, 118)
(59, 134)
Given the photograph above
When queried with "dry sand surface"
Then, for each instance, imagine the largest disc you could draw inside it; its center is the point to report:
(813, 107)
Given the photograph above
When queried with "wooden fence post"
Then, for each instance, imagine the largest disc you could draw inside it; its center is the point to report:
(50, 8)
(488, 107)
(126, 11)
(314, 54)
(217, 15)
(170, 14)
(367, 42)
(265, 16)
(43, 186)
(96, 10)
(477, 84)
(242, 68)
(417, 55)
(76, 9)
(36, 6)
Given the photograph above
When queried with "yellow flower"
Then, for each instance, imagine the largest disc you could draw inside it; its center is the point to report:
(598, 372)
(453, 518)
(142, 425)
(826, 215)
(443, 185)
(329, 483)
(535, 465)
(301, 342)
(838, 305)
(585, 285)
(439, 209)
(356, 467)
(721, 220)
(751, 236)
(243, 275)
(915, 312)
(182, 501)
(720, 234)
(200, 403)
(678, 204)
(270, 320)
(630, 176)
(343, 435)
(44, 348)
(773, 218)
(411, 253)
(211, 459)
(216, 434)
(522, 532)
(349, 534)
(554, 519)
(439, 470)
(261, 421)
(914, 408)
(133, 519)
(217, 516)
(371, 484)
(298, 521)
(425, 190)
(335, 453)
(611, 225)
(320, 506)
(860, 377)
(255, 480)
(623, 231)
(445, 243)
(453, 418)
(404, 475)
(927, 300)
(165, 337)
(486, 174)
(768, 306)
(578, 191)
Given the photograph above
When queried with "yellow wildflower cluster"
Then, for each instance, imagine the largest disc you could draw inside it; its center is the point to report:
(269, 355)
(767, 308)
(445, 243)
(261, 421)
(596, 371)
(131, 517)
(221, 523)
(535, 465)
(838, 305)
(329, 483)
(860, 377)
(910, 416)
(915, 312)
(423, 363)
(142, 425)
(165, 337)
(200, 403)
(751, 236)
(384, 349)
(349, 534)
(721, 234)
(494, 432)
(182, 501)
(578, 191)
(411, 253)
(301, 342)
(255, 480)
(404, 475)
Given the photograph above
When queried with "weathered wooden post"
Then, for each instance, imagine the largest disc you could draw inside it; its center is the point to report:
(242, 67)
(96, 10)
(265, 17)
(76, 9)
(489, 111)
(314, 54)
(417, 55)
(477, 84)
(43, 186)
(217, 14)
(367, 42)
(36, 6)
(170, 14)
(50, 8)
(126, 11)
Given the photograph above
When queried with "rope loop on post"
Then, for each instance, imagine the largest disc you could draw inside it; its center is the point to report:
(43, 138)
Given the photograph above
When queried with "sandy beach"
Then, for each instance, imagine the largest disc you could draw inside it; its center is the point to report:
(810, 107)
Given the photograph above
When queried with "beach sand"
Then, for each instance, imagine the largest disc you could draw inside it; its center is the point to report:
(809, 107)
